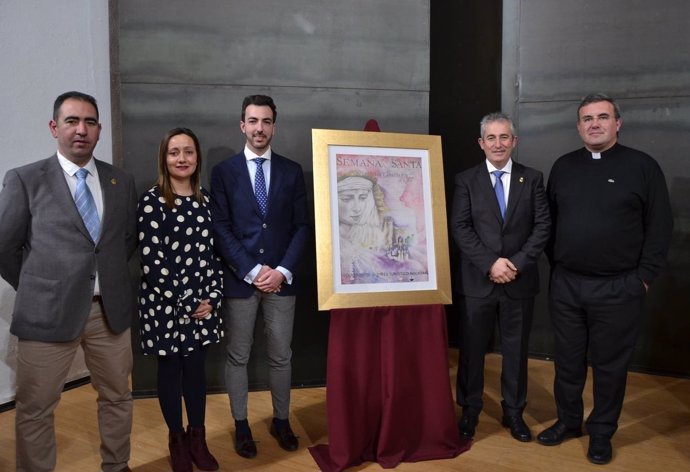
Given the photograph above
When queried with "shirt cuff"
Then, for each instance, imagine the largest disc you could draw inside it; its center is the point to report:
(249, 278)
(286, 273)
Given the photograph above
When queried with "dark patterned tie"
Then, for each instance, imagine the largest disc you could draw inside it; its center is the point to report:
(86, 205)
(500, 194)
(260, 185)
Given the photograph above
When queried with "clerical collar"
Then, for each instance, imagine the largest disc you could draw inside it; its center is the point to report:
(602, 154)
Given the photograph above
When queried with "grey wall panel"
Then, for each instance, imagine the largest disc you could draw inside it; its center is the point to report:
(213, 112)
(354, 44)
(556, 52)
(654, 125)
(630, 48)
(327, 64)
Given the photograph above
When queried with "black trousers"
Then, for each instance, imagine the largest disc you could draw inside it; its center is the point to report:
(182, 377)
(478, 319)
(601, 315)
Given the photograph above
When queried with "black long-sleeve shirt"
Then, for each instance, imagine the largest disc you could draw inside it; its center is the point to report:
(610, 215)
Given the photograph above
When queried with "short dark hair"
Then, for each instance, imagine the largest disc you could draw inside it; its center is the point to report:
(599, 97)
(492, 117)
(260, 101)
(76, 96)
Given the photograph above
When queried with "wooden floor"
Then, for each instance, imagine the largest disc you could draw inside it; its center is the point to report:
(654, 432)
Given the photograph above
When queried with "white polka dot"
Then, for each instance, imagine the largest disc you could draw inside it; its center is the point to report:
(148, 209)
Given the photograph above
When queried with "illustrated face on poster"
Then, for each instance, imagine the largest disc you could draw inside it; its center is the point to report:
(381, 219)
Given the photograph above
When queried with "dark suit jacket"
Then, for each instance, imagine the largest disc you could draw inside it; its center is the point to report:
(483, 237)
(47, 255)
(243, 237)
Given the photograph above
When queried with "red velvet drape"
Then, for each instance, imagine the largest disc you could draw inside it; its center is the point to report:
(388, 396)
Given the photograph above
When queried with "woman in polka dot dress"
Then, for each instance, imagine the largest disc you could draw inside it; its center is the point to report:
(180, 293)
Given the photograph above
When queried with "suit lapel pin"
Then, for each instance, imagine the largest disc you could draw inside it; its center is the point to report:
(113, 181)
(521, 179)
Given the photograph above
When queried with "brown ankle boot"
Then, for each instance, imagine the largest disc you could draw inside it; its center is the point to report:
(180, 459)
(196, 436)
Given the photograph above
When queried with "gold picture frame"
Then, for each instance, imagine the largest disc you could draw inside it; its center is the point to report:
(380, 211)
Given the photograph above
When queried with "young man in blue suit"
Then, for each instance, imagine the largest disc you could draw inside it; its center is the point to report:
(260, 221)
(500, 221)
(67, 230)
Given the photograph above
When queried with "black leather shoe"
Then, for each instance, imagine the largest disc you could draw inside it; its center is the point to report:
(286, 438)
(518, 428)
(599, 451)
(245, 445)
(468, 425)
(557, 433)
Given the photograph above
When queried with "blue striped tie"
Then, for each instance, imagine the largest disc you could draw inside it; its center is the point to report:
(260, 185)
(86, 205)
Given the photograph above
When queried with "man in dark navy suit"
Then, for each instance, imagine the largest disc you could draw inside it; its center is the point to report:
(260, 231)
(500, 221)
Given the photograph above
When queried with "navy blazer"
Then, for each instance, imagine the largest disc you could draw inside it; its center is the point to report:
(243, 237)
(483, 236)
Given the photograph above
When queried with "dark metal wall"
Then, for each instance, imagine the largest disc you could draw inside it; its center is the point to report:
(636, 51)
(411, 65)
(327, 64)
(465, 85)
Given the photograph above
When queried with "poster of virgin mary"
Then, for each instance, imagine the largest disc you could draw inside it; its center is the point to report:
(381, 227)
(381, 232)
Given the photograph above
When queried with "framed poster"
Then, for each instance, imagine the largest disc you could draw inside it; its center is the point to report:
(381, 232)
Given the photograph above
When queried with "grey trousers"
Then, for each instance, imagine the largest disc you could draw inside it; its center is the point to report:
(240, 317)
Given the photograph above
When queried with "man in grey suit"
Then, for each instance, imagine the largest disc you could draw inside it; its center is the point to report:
(500, 221)
(67, 230)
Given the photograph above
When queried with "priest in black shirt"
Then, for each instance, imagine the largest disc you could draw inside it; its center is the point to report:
(611, 229)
